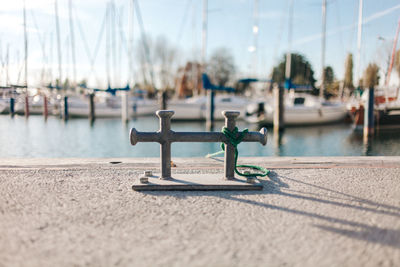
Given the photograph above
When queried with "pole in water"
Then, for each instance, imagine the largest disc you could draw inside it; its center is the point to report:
(26, 105)
(124, 107)
(279, 109)
(45, 107)
(164, 100)
(369, 114)
(210, 110)
(65, 108)
(92, 114)
(12, 109)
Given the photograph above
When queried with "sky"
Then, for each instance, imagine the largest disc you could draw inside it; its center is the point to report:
(230, 25)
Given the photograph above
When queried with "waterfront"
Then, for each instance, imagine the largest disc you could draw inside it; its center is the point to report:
(36, 138)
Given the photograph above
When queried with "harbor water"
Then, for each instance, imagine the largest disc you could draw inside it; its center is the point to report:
(54, 138)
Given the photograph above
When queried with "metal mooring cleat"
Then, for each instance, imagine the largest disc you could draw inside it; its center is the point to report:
(165, 136)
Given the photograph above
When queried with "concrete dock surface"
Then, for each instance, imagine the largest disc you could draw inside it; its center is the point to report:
(336, 211)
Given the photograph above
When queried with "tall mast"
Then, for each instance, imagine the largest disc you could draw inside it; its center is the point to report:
(26, 50)
(108, 37)
(58, 44)
(130, 46)
(113, 41)
(255, 36)
(195, 67)
(7, 65)
(204, 35)
(359, 36)
(288, 54)
(323, 44)
(71, 30)
(393, 54)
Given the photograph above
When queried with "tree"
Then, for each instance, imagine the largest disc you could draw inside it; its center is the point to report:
(329, 75)
(221, 66)
(301, 71)
(371, 75)
(330, 84)
(164, 60)
(348, 75)
(157, 60)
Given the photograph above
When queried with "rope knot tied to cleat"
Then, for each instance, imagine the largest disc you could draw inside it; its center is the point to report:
(235, 138)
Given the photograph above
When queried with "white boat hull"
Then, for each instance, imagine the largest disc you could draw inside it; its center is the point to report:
(79, 108)
(196, 108)
(310, 115)
(4, 106)
(311, 111)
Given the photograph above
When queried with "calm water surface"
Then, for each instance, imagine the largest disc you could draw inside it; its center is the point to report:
(35, 137)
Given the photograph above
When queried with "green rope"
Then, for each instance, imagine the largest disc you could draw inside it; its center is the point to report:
(235, 138)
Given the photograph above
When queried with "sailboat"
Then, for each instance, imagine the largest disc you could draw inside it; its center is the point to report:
(299, 108)
(386, 99)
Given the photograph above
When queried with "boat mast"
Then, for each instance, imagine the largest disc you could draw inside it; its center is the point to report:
(130, 46)
(71, 29)
(204, 35)
(288, 54)
(58, 45)
(108, 34)
(195, 66)
(323, 45)
(7, 65)
(26, 50)
(393, 54)
(359, 36)
(255, 36)
(113, 41)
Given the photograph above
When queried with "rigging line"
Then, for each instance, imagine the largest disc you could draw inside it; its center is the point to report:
(119, 20)
(338, 20)
(40, 38)
(92, 58)
(113, 41)
(72, 40)
(7, 64)
(145, 44)
(353, 29)
(87, 50)
(107, 45)
(279, 37)
(42, 44)
(21, 66)
(58, 44)
(25, 49)
(121, 34)
(183, 22)
(123, 40)
(131, 76)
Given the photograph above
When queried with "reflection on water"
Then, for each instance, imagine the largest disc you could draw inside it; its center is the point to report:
(35, 137)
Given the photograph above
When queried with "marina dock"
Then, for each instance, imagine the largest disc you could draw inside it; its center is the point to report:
(313, 211)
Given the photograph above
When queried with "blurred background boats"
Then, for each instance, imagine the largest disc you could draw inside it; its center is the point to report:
(142, 75)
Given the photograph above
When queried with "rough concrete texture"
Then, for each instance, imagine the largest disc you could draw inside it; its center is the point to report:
(74, 212)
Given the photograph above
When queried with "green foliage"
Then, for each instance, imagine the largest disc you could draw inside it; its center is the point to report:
(348, 75)
(331, 86)
(371, 77)
(301, 71)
